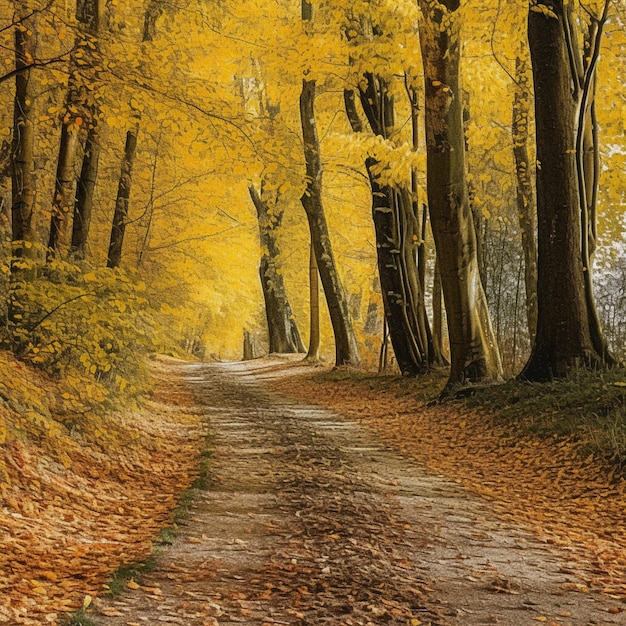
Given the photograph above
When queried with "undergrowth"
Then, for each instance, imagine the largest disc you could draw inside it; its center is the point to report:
(182, 511)
(424, 387)
(588, 406)
(79, 618)
(82, 336)
(129, 572)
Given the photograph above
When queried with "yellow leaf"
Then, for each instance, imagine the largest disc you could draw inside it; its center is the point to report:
(87, 601)
(131, 584)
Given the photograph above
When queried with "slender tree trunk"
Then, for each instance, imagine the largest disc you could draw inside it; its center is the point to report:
(346, 349)
(313, 353)
(526, 203)
(284, 336)
(474, 353)
(64, 186)
(120, 216)
(154, 10)
(437, 310)
(78, 114)
(83, 207)
(23, 178)
(249, 351)
(588, 161)
(480, 223)
(563, 338)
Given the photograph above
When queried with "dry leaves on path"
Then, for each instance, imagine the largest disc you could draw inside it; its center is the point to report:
(577, 505)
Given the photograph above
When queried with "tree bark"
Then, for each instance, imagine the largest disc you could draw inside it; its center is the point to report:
(284, 336)
(154, 10)
(346, 349)
(526, 202)
(23, 180)
(64, 187)
(563, 338)
(85, 189)
(474, 353)
(478, 218)
(313, 353)
(437, 310)
(78, 114)
(588, 159)
(120, 216)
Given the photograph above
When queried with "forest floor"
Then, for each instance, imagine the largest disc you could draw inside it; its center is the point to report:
(348, 502)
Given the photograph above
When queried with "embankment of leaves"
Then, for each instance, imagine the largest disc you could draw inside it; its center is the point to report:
(545, 457)
(84, 491)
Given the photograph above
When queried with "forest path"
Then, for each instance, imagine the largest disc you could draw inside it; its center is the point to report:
(309, 520)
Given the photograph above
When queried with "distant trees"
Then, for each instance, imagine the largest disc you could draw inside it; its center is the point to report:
(152, 165)
(284, 335)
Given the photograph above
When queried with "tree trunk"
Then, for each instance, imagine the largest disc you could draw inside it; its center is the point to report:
(23, 145)
(563, 338)
(395, 227)
(526, 204)
(478, 218)
(120, 216)
(85, 190)
(437, 310)
(346, 349)
(474, 353)
(154, 10)
(313, 353)
(64, 186)
(249, 347)
(284, 336)
(588, 161)
(78, 113)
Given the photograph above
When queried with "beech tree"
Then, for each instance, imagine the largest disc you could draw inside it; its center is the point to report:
(154, 10)
(23, 175)
(526, 202)
(395, 224)
(474, 353)
(78, 113)
(567, 324)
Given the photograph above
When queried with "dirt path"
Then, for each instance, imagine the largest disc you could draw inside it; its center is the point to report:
(310, 521)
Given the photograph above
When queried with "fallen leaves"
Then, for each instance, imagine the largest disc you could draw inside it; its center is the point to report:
(572, 503)
(64, 529)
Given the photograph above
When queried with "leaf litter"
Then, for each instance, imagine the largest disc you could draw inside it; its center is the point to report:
(64, 527)
(576, 505)
(311, 520)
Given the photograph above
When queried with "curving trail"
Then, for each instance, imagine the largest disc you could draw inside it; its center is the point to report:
(310, 521)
